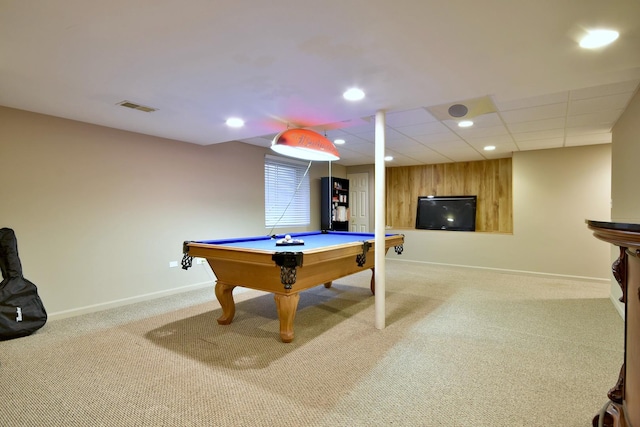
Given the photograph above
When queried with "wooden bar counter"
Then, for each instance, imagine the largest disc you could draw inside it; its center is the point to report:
(624, 408)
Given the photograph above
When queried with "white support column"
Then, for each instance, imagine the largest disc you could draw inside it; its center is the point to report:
(380, 269)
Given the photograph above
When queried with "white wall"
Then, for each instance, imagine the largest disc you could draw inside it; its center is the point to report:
(554, 191)
(626, 161)
(99, 213)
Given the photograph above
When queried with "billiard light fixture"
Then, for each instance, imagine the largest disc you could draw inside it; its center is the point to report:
(304, 144)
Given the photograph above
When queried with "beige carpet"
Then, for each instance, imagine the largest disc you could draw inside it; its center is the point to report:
(461, 348)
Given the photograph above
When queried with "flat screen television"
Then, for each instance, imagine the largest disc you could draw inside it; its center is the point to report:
(455, 213)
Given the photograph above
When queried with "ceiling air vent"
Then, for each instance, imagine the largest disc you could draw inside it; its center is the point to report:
(135, 106)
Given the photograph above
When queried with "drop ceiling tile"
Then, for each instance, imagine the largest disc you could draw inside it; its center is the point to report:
(425, 151)
(604, 118)
(487, 120)
(541, 144)
(536, 101)
(430, 157)
(392, 135)
(368, 135)
(409, 117)
(425, 128)
(601, 103)
(358, 147)
(464, 156)
(537, 125)
(588, 139)
(483, 121)
(389, 134)
(535, 113)
(447, 144)
(494, 140)
(404, 144)
(446, 151)
(543, 134)
(505, 147)
(354, 139)
(474, 133)
(610, 89)
(437, 138)
(582, 130)
(398, 158)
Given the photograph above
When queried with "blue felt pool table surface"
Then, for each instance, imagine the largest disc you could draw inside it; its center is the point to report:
(312, 240)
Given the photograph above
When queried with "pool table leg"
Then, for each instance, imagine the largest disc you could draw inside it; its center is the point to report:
(373, 281)
(372, 285)
(224, 293)
(286, 306)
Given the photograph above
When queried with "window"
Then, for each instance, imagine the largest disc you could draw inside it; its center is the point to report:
(286, 192)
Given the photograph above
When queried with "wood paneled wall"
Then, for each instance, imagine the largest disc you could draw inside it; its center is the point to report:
(489, 180)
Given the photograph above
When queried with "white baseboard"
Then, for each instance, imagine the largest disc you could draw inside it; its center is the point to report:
(126, 301)
(503, 270)
(150, 296)
(618, 305)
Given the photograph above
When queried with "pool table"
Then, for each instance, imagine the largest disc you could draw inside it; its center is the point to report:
(268, 263)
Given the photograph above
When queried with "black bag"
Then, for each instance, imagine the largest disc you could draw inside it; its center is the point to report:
(21, 310)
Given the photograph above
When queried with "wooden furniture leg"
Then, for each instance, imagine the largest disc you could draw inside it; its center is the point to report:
(224, 293)
(373, 281)
(612, 417)
(287, 306)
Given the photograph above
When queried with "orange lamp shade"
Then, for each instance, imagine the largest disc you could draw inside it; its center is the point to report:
(304, 144)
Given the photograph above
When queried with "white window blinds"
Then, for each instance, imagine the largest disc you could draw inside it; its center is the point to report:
(286, 192)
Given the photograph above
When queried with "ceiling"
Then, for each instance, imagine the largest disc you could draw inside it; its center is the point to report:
(286, 63)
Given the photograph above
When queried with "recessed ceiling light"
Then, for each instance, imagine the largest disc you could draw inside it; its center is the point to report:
(353, 94)
(235, 122)
(489, 148)
(598, 38)
(338, 141)
(388, 158)
(465, 123)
